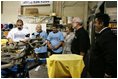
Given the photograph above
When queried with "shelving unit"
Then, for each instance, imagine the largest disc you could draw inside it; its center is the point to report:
(113, 24)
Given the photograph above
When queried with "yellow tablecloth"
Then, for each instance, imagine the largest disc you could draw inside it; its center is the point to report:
(65, 66)
(3, 41)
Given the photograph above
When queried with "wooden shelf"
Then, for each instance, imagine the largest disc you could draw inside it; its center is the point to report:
(113, 22)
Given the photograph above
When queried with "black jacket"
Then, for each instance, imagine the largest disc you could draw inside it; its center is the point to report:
(103, 55)
(80, 42)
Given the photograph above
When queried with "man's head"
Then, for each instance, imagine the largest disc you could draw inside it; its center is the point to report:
(76, 22)
(101, 21)
(19, 24)
(54, 28)
(38, 28)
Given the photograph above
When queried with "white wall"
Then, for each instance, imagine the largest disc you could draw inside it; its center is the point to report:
(74, 8)
(43, 10)
(32, 27)
(74, 11)
(10, 11)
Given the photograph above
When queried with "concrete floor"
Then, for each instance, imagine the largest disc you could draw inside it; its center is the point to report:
(41, 73)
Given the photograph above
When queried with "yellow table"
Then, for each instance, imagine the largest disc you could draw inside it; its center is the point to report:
(3, 41)
(65, 66)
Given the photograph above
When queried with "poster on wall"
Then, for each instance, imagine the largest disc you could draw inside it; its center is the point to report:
(69, 19)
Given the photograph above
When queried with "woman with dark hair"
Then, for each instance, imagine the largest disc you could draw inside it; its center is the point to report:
(68, 39)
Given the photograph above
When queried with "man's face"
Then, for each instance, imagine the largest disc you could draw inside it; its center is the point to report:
(19, 25)
(54, 29)
(74, 24)
(38, 28)
(98, 25)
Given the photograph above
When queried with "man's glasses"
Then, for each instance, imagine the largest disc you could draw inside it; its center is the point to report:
(74, 22)
(19, 25)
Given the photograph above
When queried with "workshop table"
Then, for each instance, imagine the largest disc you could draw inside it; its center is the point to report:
(65, 66)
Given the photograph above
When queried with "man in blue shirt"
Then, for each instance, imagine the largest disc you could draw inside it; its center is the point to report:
(55, 41)
(41, 51)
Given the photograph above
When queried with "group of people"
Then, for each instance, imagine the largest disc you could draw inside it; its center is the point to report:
(101, 61)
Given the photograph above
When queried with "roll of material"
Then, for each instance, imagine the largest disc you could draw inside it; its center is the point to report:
(10, 26)
(6, 26)
(2, 26)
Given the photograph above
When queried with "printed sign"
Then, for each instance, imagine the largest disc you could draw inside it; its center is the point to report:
(35, 2)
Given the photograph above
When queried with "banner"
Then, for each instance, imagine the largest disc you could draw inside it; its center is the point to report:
(35, 2)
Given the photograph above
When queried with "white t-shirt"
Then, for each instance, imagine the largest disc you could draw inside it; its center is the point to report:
(17, 35)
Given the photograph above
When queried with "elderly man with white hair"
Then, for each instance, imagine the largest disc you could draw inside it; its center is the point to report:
(81, 42)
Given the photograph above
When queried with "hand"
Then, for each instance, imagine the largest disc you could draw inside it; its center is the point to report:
(107, 76)
(50, 47)
(44, 44)
(56, 47)
(12, 62)
(10, 41)
(23, 41)
(82, 53)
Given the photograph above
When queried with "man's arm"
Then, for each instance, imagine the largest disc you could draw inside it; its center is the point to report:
(61, 41)
(7, 65)
(110, 55)
(60, 44)
(10, 37)
(84, 43)
(49, 44)
(82, 53)
(48, 41)
(10, 41)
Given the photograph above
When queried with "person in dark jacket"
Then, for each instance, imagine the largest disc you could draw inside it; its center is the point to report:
(81, 43)
(103, 54)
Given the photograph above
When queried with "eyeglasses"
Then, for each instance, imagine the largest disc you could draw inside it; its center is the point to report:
(74, 22)
(19, 25)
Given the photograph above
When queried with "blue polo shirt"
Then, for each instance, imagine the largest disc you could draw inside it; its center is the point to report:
(42, 49)
(55, 39)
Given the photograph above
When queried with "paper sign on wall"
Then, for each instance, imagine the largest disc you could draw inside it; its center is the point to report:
(35, 2)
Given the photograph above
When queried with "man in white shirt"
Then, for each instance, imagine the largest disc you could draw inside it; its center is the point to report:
(19, 33)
